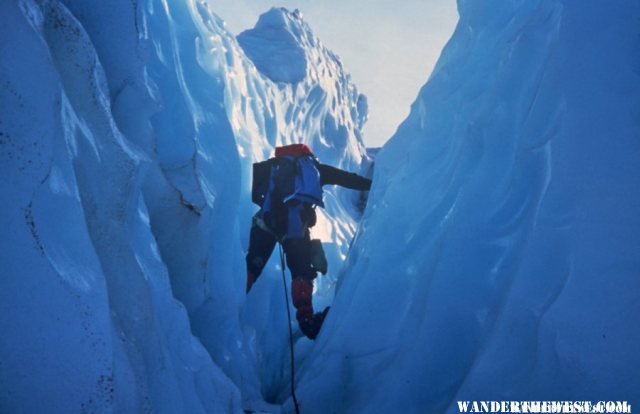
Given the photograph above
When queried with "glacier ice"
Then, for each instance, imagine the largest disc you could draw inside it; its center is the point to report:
(128, 132)
(277, 46)
(88, 317)
(498, 256)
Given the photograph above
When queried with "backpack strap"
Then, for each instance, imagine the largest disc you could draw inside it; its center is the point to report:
(308, 187)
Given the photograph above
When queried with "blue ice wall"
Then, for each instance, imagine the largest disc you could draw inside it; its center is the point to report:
(498, 255)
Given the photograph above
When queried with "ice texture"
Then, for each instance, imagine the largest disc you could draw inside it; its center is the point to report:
(498, 257)
(277, 47)
(127, 134)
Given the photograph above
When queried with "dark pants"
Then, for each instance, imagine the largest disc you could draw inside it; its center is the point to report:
(298, 258)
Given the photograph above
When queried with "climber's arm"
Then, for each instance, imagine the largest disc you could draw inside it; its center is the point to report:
(330, 175)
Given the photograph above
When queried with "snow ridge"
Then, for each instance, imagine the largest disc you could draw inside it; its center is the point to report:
(276, 46)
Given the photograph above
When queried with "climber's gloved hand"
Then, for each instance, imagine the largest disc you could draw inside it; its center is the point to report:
(318, 259)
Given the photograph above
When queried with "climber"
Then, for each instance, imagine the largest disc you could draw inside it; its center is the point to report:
(287, 188)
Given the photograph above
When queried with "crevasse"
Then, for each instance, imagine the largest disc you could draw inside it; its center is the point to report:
(496, 259)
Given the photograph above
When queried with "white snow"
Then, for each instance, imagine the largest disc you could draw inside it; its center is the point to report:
(277, 46)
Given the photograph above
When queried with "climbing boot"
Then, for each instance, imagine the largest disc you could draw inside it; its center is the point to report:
(311, 327)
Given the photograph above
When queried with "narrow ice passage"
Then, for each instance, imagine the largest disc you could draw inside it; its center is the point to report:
(497, 258)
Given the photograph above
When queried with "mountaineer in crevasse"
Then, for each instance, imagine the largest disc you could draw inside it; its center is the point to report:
(287, 188)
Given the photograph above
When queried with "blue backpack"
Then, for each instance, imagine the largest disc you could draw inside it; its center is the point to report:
(293, 179)
(293, 187)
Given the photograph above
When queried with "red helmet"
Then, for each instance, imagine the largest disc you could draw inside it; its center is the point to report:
(293, 150)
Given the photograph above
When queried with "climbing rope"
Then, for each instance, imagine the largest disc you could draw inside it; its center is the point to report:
(293, 367)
